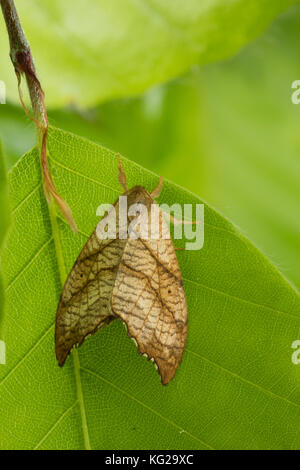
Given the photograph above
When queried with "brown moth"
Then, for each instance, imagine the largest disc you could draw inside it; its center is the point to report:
(137, 280)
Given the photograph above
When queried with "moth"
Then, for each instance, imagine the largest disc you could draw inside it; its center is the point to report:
(134, 279)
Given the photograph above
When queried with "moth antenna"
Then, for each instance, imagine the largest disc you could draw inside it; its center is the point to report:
(122, 176)
(156, 192)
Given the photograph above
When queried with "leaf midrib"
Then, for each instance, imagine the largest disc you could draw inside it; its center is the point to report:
(76, 362)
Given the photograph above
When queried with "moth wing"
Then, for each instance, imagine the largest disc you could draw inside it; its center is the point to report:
(148, 296)
(84, 306)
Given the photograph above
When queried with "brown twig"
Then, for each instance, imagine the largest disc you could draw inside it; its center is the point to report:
(22, 60)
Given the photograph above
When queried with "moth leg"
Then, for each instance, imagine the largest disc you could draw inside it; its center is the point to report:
(122, 176)
(156, 192)
(178, 221)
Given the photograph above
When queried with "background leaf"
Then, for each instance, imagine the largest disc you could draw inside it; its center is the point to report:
(102, 50)
(236, 387)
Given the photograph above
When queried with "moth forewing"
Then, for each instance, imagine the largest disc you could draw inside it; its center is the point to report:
(148, 296)
(85, 303)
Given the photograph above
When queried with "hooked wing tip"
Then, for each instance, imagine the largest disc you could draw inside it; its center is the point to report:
(61, 355)
(166, 375)
(60, 361)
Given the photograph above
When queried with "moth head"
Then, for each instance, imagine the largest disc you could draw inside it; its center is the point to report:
(139, 195)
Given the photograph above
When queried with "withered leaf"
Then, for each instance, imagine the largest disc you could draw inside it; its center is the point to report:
(137, 280)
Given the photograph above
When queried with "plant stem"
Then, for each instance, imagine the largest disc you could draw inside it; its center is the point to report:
(23, 63)
(22, 59)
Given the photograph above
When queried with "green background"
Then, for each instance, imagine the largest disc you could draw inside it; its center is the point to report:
(227, 131)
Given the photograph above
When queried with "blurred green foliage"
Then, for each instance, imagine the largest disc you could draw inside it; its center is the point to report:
(92, 51)
(228, 132)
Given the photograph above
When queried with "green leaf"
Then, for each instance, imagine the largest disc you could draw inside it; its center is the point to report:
(4, 221)
(101, 50)
(236, 387)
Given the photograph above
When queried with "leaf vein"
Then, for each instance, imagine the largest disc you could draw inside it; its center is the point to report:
(239, 377)
(145, 406)
(65, 413)
(240, 299)
(24, 269)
